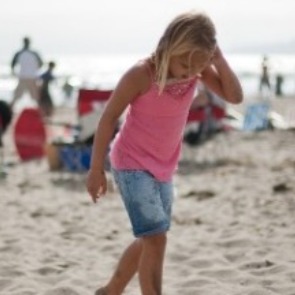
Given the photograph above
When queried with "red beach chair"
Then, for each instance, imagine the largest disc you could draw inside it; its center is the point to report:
(74, 156)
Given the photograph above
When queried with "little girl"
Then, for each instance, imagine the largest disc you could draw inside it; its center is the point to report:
(158, 92)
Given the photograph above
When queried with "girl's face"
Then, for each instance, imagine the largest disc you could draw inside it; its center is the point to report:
(188, 65)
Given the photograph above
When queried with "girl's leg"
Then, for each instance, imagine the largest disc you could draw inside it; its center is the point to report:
(146, 255)
(148, 203)
(127, 267)
(151, 264)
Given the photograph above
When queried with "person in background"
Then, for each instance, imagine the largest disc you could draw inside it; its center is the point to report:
(158, 92)
(45, 100)
(67, 88)
(28, 63)
(279, 85)
(264, 82)
(5, 120)
(205, 101)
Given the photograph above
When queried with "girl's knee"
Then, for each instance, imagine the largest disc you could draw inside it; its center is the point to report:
(155, 240)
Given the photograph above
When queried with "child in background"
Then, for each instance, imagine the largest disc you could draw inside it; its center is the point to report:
(45, 100)
(158, 92)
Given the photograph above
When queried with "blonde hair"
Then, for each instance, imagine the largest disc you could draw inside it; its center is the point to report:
(188, 32)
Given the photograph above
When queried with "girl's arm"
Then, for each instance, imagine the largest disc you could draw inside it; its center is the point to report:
(128, 88)
(220, 78)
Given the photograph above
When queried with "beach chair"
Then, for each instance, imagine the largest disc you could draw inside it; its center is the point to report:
(74, 154)
(91, 104)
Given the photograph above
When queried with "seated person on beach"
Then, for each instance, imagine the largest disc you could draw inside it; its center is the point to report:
(205, 101)
(45, 101)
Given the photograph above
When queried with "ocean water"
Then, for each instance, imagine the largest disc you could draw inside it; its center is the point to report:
(104, 71)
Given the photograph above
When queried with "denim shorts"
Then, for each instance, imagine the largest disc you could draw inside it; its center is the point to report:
(148, 201)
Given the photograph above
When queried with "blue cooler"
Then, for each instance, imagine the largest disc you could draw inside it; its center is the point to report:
(75, 158)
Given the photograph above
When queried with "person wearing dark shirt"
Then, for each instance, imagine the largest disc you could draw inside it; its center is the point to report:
(45, 102)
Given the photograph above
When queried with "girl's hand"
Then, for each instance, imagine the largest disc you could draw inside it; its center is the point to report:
(96, 184)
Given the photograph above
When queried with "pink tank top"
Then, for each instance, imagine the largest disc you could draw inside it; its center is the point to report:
(151, 136)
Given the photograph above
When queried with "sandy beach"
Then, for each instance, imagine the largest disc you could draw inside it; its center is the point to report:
(232, 233)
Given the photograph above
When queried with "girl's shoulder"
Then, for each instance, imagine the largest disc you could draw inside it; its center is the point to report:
(141, 74)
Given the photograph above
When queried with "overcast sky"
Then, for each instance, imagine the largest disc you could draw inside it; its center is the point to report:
(134, 26)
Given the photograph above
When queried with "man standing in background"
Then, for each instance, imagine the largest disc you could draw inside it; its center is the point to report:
(264, 83)
(28, 63)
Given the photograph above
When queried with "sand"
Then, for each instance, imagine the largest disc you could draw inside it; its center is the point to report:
(232, 231)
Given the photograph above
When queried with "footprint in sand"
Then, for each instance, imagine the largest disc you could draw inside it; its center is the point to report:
(235, 243)
(47, 270)
(271, 270)
(291, 275)
(191, 281)
(256, 265)
(201, 263)
(10, 273)
(5, 283)
(61, 291)
(235, 257)
(25, 292)
(200, 195)
(220, 274)
(257, 291)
